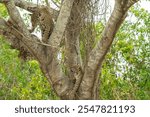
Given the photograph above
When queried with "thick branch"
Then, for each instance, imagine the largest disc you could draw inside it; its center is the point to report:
(72, 48)
(16, 39)
(20, 28)
(52, 68)
(47, 55)
(61, 23)
(98, 53)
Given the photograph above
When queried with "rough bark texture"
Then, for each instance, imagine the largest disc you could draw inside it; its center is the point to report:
(79, 81)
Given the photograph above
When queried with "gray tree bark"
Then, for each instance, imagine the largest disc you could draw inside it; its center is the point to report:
(81, 80)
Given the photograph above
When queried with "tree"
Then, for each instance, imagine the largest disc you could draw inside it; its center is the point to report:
(74, 76)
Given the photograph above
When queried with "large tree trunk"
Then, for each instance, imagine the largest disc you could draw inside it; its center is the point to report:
(80, 80)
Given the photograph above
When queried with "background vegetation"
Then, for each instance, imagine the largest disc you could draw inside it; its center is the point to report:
(125, 73)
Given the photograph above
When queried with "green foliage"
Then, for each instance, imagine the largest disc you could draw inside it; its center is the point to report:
(57, 1)
(3, 11)
(19, 79)
(125, 73)
(126, 70)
